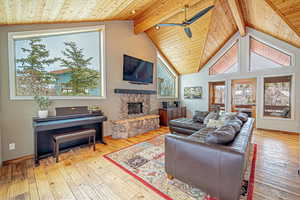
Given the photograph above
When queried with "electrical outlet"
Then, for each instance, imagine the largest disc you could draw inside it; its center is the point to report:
(12, 146)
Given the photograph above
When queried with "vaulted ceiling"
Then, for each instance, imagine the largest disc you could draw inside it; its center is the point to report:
(279, 18)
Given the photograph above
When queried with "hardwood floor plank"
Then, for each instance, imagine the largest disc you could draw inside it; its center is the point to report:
(42, 183)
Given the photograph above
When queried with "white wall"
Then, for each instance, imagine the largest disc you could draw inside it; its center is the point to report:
(202, 78)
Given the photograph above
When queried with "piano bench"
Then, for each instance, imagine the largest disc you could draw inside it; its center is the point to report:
(57, 139)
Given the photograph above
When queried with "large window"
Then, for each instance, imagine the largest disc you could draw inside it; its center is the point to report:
(277, 96)
(228, 63)
(65, 63)
(243, 92)
(263, 56)
(166, 80)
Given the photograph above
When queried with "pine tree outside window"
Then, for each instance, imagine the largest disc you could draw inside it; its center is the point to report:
(167, 80)
(62, 64)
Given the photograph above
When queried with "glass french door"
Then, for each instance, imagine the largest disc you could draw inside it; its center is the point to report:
(243, 96)
(217, 95)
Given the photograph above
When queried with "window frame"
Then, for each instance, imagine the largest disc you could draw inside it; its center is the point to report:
(226, 48)
(27, 34)
(292, 97)
(265, 42)
(159, 56)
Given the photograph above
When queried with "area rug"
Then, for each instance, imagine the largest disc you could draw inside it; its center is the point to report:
(145, 162)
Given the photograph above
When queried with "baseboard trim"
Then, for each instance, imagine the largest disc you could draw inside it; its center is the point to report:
(278, 131)
(17, 160)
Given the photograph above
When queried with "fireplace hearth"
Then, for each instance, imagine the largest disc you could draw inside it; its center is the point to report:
(135, 108)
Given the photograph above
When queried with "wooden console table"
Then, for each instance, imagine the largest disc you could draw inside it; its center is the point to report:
(167, 114)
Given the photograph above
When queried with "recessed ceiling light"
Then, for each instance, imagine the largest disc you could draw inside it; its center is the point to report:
(133, 12)
(157, 27)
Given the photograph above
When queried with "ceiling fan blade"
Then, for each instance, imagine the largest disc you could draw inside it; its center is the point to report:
(170, 24)
(188, 32)
(198, 15)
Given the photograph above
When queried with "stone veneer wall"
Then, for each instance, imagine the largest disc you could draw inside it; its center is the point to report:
(134, 98)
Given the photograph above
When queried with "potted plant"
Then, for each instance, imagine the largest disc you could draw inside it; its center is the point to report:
(43, 103)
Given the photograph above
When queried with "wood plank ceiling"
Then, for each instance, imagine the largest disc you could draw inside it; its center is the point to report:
(262, 16)
(279, 18)
(60, 11)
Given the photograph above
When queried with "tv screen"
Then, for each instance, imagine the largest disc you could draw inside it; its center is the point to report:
(137, 70)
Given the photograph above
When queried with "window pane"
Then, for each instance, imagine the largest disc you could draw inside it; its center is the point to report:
(263, 56)
(227, 63)
(277, 97)
(58, 65)
(166, 80)
(243, 94)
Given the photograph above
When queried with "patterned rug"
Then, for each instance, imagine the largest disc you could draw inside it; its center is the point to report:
(145, 162)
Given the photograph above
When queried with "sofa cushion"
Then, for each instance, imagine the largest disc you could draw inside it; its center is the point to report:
(186, 123)
(242, 116)
(228, 129)
(222, 135)
(235, 124)
(200, 116)
(219, 137)
(200, 135)
(211, 115)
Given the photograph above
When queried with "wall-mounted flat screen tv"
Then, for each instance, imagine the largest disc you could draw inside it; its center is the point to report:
(137, 70)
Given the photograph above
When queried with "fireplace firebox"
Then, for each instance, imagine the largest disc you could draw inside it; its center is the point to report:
(135, 108)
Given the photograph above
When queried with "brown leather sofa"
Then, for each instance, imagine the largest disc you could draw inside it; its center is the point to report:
(215, 169)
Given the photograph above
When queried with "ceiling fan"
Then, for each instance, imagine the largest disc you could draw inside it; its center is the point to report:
(187, 22)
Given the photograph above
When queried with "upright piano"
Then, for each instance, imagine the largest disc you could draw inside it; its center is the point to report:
(67, 119)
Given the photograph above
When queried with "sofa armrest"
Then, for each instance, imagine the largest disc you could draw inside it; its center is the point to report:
(214, 169)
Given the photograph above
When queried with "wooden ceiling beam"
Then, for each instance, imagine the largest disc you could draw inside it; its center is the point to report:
(160, 11)
(277, 11)
(237, 14)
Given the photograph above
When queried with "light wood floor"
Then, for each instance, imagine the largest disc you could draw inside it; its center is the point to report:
(84, 174)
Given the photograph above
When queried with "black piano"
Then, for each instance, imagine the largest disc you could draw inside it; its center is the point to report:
(67, 119)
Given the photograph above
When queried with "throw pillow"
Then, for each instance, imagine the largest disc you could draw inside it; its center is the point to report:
(228, 129)
(242, 116)
(211, 115)
(227, 116)
(219, 137)
(238, 121)
(212, 123)
(200, 116)
(235, 124)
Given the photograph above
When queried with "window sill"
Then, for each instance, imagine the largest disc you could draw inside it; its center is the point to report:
(20, 98)
(161, 97)
(277, 118)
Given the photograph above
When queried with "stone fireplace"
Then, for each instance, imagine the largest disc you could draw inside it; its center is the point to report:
(135, 117)
(134, 105)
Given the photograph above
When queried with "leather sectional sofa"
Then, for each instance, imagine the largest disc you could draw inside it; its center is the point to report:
(215, 169)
